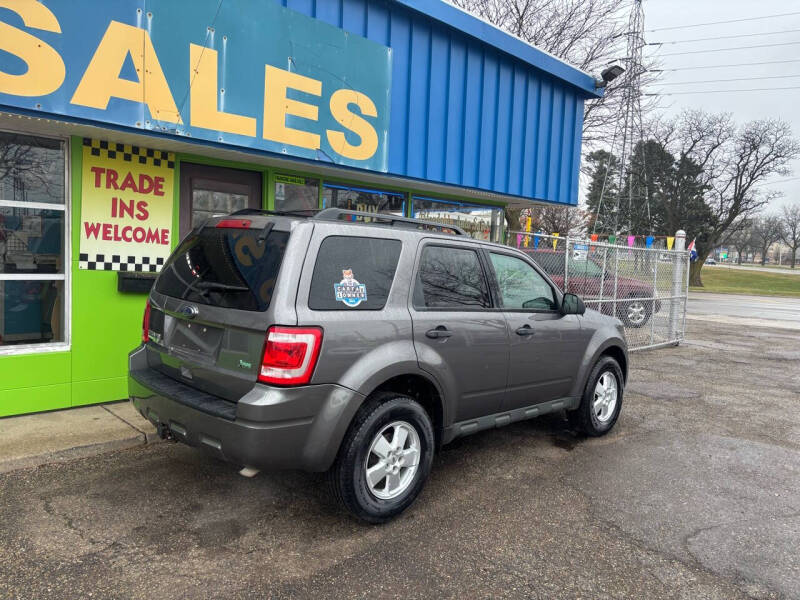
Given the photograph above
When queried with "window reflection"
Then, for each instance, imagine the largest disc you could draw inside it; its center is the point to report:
(33, 246)
(296, 193)
(31, 240)
(212, 203)
(479, 221)
(363, 200)
(31, 169)
(31, 312)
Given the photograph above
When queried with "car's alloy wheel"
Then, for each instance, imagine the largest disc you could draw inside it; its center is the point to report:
(605, 397)
(602, 399)
(636, 313)
(384, 458)
(392, 460)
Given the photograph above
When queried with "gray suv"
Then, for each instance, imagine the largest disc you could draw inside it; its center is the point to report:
(358, 344)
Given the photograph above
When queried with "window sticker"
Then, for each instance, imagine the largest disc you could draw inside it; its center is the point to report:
(349, 291)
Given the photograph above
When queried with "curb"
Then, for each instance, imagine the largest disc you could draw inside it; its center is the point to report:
(74, 453)
(118, 430)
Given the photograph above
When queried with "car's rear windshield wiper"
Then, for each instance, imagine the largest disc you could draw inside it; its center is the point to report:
(212, 285)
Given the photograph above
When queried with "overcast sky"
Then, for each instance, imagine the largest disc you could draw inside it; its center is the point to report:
(743, 105)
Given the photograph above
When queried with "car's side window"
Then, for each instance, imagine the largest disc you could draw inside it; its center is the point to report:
(353, 273)
(521, 286)
(450, 277)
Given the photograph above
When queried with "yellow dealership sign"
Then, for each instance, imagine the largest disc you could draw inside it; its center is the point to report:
(126, 207)
(264, 77)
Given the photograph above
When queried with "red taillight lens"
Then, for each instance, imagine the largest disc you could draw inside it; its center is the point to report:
(290, 355)
(234, 224)
(146, 323)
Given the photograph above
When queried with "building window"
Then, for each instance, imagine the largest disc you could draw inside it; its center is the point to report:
(34, 243)
(479, 221)
(296, 193)
(364, 200)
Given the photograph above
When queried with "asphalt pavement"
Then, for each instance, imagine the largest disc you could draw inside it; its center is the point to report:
(693, 495)
(778, 270)
(736, 308)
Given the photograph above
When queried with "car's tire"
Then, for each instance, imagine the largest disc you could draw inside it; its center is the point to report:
(636, 312)
(367, 496)
(598, 412)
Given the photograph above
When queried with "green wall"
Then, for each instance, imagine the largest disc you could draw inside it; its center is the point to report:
(106, 324)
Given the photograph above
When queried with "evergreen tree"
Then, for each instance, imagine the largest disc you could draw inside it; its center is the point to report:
(602, 195)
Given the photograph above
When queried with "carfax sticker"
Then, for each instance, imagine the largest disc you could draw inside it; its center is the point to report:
(349, 291)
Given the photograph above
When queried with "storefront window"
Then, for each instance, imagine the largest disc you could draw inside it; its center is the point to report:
(480, 222)
(33, 260)
(296, 193)
(350, 198)
(213, 203)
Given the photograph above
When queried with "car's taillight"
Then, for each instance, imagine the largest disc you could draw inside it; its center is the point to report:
(146, 323)
(290, 355)
(234, 224)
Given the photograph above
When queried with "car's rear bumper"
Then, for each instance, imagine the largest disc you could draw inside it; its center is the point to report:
(269, 428)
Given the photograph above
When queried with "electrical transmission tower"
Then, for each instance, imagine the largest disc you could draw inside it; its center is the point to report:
(631, 191)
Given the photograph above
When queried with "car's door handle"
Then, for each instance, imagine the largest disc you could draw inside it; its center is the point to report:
(525, 330)
(440, 332)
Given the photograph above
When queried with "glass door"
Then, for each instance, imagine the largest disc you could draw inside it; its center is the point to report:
(214, 191)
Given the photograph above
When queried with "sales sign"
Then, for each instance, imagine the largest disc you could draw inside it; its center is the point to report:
(246, 73)
(126, 207)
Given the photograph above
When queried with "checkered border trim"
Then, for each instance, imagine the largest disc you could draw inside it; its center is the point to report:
(117, 262)
(129, 153)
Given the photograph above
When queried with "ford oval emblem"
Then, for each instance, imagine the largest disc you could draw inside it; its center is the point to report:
(189, 311)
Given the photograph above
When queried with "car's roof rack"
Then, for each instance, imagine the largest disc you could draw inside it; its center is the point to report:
(353, 216)
(341, 214)
(310, 212)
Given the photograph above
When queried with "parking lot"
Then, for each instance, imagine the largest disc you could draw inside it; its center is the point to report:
(693, 495)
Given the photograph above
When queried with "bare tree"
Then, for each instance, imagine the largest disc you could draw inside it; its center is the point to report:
(790, 230)
(766, 231)
(734, 161)
(564, 220)
(740, 239)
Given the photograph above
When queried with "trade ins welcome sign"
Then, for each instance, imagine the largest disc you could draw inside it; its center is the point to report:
(245, 73)
(126, 207)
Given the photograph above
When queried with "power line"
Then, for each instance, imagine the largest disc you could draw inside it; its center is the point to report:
(723, 22)
(726, 80)
(779, 181)
(724, 91)
(731, 48)
(723, 37)
(750, 64)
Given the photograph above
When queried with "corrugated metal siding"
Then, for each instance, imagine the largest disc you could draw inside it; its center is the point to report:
(463, 112)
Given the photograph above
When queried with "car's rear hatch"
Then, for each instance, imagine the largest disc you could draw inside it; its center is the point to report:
(214, 300)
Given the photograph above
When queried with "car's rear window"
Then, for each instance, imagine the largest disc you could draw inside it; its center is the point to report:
(353, 273)
(229, 268)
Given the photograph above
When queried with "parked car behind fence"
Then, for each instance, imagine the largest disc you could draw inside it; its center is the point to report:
(646, 288)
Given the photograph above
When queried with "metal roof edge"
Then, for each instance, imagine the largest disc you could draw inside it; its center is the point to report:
(490, 34)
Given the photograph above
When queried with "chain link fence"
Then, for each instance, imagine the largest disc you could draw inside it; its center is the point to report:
(646, 288)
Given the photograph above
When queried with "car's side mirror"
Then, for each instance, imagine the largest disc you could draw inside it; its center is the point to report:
(572, 305)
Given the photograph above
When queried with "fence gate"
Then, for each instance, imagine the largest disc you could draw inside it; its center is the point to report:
(646, 288)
